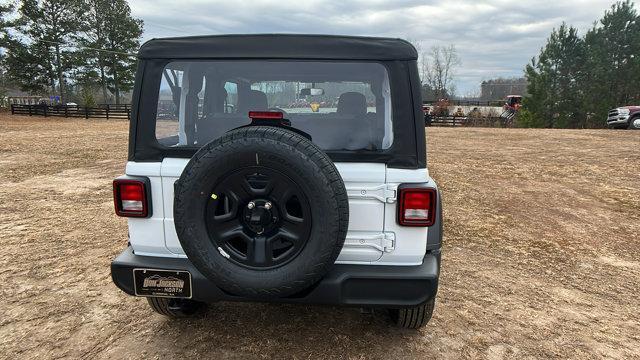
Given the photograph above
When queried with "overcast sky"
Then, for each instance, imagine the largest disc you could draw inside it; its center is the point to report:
(494, 38)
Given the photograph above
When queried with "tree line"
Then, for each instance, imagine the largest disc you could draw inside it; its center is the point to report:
(575, 79)
(71, 48)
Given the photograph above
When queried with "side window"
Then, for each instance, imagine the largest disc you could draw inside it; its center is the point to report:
(231, 103)
(168, 110)
(182, 101)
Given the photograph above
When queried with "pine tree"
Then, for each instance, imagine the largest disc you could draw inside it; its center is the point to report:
(613, 61)
(554, 81)
(92, 40)
(5, 11)
(122, 37)
(575, 81)
(30, 66)
(27, 65)
(48, 26)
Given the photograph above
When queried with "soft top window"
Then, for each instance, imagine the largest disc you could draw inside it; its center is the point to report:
(342, 105)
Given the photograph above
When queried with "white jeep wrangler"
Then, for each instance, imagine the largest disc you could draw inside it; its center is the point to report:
(288, 168)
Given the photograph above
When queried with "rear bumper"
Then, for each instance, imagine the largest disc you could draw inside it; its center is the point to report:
(356, 285)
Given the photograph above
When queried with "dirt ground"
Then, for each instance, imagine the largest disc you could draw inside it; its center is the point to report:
(541, 256)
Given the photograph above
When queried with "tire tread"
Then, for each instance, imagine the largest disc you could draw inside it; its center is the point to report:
(413, 317)
(162, 306)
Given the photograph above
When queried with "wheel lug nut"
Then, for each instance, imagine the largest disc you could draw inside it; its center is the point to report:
(251, 205)
(267, 205)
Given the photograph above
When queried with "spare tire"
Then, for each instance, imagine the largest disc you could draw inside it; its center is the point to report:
(261, 212)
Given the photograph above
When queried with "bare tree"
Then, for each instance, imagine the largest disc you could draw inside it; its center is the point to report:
(437, 69)
(421, 54)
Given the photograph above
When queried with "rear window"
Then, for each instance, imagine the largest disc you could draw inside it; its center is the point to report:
(342, 105)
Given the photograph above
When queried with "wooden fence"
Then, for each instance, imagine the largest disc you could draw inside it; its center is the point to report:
(123, 111)
(467, 102)
(469, 121)
(103, 111)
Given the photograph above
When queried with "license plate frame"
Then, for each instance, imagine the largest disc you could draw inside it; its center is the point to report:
(162, 283)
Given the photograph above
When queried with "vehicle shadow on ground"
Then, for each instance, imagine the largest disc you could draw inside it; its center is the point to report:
(276, 330)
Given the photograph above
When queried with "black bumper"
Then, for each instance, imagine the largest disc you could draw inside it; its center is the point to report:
(357, 285)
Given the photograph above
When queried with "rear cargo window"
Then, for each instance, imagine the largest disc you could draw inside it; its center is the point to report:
(341, 105)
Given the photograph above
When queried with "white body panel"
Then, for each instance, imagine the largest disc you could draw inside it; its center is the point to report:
(373, 237)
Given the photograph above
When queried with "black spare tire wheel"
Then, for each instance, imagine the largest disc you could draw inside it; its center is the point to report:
(261, 212)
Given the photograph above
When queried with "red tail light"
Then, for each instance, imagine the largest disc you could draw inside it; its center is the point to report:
(266, 115)
(130, 197)
(417, 206)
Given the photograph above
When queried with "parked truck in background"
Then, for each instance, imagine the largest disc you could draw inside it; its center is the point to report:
(626, 117)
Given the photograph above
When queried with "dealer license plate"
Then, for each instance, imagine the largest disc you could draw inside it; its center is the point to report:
(162, 283)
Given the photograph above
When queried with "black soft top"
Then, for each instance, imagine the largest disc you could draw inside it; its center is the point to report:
(279, 46)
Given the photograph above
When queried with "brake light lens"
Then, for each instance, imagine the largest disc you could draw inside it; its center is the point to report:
(130, 198)
(266, 115)
(417, 206)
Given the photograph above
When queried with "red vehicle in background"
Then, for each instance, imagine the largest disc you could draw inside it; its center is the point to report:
(511, 107)
(513, 103)
(624, 117)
